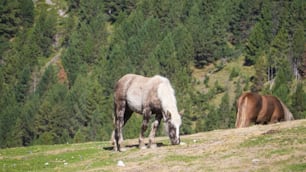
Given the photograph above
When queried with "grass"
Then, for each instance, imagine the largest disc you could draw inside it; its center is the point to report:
(278, 147)
(296, 167)
(181, 158)
(45, 158)
(282, 138)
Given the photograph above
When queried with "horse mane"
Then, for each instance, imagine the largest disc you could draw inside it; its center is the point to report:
(288, 115)
(166, 94)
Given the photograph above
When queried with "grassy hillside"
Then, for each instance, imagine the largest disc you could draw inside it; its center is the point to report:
(221, 72)
(277, 147)
(60, 59)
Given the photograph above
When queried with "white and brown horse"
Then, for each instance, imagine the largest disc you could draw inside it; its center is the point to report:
(260, 109)
(146, 96)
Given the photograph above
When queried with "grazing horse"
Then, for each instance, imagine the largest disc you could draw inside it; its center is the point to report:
(146, 96)
(260, 109)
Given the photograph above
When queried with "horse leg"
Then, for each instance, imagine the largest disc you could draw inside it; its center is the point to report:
(154, 128)
(144, 126)
(119, 122)
(275, 118)
(127, 114)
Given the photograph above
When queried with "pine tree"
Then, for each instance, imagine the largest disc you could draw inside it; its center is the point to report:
(211, 119)
(10, 21)
(52, 116)
(114, 8)
(268, 21)
(261, 66)
(298, 102)
(72, 59)
(245, 13)
(254, 45)
(47, 80)
(23, 131)
(27, 12)
(224, 112)
(279, 49)
(22, 86)
(278, 55)
(298, 49)
(44, 30)
(196, 24)
(8, 117)
(15, 16)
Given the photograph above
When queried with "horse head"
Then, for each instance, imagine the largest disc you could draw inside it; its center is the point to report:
(173, 124)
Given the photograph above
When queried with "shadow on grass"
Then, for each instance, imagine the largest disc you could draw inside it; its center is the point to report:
(110, 148)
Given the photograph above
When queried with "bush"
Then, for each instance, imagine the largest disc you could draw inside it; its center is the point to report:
(46, 138)
(234, 73)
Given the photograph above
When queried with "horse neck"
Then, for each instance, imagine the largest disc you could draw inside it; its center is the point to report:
(168, 101)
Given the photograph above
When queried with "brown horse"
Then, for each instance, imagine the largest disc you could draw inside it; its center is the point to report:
(146, 96)
(260, 109)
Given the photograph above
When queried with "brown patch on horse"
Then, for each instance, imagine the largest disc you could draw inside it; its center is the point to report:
(260, 109)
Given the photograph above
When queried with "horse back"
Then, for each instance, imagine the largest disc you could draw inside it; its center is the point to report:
(138, 92)
(122, 86)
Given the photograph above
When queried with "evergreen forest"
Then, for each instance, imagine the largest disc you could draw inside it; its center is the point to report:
(60, 59)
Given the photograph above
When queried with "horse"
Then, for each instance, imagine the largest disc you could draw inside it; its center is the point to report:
(147, 96)
(260, 109)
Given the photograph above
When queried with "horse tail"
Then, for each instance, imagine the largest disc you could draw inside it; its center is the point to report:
(241, 111)
(287, 114)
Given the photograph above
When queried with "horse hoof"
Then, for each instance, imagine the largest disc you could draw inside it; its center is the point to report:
(123, 149)
(153, 146)
(142, 147)
(183, 143)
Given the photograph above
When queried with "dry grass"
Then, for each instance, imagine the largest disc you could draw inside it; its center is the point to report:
(258, 148)
(277, 147)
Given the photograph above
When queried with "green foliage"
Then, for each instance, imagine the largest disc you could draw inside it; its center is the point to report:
(255, 44)
(46, 82)
(243, 19)
(114, 8)
(206, 80)
(52, 97)
(208, 24)
(222, 117)
(87, 41)
(234, 73)
(44, 31)
(14, 14)
(79, 137)
(298, 102)
(46, 138)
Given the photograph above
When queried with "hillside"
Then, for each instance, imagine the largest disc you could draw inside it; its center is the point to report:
(277, 147)
(222, 76)
(60, 59)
